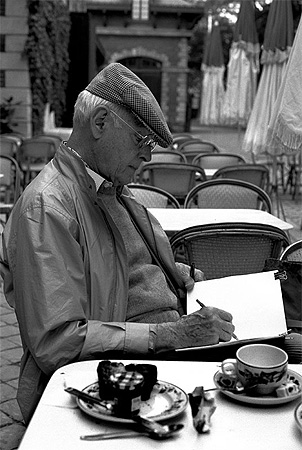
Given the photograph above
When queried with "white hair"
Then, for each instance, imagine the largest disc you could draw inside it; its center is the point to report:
(86, 104)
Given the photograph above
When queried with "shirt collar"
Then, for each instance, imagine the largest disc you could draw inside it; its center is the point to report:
(98, 179)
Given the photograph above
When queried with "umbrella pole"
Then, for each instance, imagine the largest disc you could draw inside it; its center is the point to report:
(275, 194)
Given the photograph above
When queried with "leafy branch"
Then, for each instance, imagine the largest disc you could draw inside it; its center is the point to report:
(47, 52)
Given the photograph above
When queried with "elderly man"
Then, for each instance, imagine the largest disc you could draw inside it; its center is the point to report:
(88, 269)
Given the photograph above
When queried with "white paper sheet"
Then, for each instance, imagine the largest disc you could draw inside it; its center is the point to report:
(254, 300)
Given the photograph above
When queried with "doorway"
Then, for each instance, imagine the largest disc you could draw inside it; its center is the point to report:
(149, 70)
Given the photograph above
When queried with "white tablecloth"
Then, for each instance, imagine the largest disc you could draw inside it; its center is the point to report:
(58, 423)
(173, 220)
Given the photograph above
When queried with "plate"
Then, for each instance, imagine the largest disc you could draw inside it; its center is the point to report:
(166, 401)
(262, 399)
(298, 415)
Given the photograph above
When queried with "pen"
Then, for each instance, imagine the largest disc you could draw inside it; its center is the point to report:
(202, 305)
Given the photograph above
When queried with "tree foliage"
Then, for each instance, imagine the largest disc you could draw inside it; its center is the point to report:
(47, 52)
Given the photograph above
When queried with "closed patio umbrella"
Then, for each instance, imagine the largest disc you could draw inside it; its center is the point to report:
(212, 84)
(278, 39)
(243, 68)
(285, 125)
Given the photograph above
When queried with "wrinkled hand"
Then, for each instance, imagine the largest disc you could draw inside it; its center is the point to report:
(184, 271)
(206, 326)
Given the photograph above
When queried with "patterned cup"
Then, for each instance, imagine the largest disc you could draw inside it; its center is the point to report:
(262, 367)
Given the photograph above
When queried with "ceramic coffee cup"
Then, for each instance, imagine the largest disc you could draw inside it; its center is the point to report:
(260, 366)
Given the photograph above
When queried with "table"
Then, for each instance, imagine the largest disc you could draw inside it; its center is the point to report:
(173, 220)
(58, 423)
(210, 172)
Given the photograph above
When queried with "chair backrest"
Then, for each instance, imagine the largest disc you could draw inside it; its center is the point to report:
(228, 194)
(8, 146)
(181, 134)
(177, 179)
(36, 150)
(191, 150)
(160, 156)
(179, 141)
(293, 252)
(257, 174)
(18, 138)
(153, 197)
(10, 177)
(217, 160)
(48, 137)
(34, 154)
(226, 249)
(172, 156)
(199, 147)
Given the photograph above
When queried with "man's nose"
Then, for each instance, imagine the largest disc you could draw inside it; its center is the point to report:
(145, 154)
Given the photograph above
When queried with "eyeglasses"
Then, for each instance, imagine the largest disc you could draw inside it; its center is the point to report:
(144, 140)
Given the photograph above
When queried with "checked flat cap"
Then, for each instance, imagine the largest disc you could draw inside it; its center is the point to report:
(117, 84)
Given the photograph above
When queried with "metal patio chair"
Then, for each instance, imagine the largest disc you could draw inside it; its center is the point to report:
(176, 178)
(9, 184)
(267, 160)
(293, 252)
(228, 194)
(153, 197)
(217, 160)
(178, 142)
(173, 156)
(257, 174)
(193, 149)
(34, 154)
(160, 156)
(8, 146)
(226, 249)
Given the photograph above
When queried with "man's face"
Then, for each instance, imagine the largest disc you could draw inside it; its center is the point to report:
(124, 149)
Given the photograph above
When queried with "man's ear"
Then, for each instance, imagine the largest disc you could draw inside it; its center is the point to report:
(98, 120)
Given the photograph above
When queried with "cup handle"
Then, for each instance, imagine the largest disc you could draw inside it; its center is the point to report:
(229, 367)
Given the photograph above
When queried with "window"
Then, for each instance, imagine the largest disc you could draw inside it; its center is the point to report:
(2, 43)
(140, 9)
(2, 7)
(2, 78)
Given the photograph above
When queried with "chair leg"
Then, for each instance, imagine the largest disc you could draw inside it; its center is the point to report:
(282, 175)
(289, 181)
(297, 183)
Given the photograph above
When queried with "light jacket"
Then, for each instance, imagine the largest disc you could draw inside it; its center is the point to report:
(65, 272)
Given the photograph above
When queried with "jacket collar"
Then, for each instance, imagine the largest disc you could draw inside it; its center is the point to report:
(72, 166)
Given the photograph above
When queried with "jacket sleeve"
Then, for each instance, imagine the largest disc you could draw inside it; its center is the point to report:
(51, 298)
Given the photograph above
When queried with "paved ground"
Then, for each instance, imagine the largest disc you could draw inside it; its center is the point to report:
(11, 425)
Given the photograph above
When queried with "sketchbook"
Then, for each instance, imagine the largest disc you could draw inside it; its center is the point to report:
(254, 300)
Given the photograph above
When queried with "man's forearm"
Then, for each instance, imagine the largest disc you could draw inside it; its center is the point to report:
(166, 337)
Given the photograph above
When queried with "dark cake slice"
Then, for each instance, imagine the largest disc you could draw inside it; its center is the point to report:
(149, 372)
(105, 370)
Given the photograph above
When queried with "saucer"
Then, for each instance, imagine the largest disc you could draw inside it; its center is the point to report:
(166, 401)
(261, 399)
(298, 415)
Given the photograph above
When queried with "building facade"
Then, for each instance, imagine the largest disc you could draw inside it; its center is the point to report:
(148, 36)
(14, 74)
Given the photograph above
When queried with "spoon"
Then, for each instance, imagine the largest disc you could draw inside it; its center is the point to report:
(169, 431)
(89, 398)
(239, 389)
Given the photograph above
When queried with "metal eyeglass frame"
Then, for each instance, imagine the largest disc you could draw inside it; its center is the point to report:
(145, 140)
